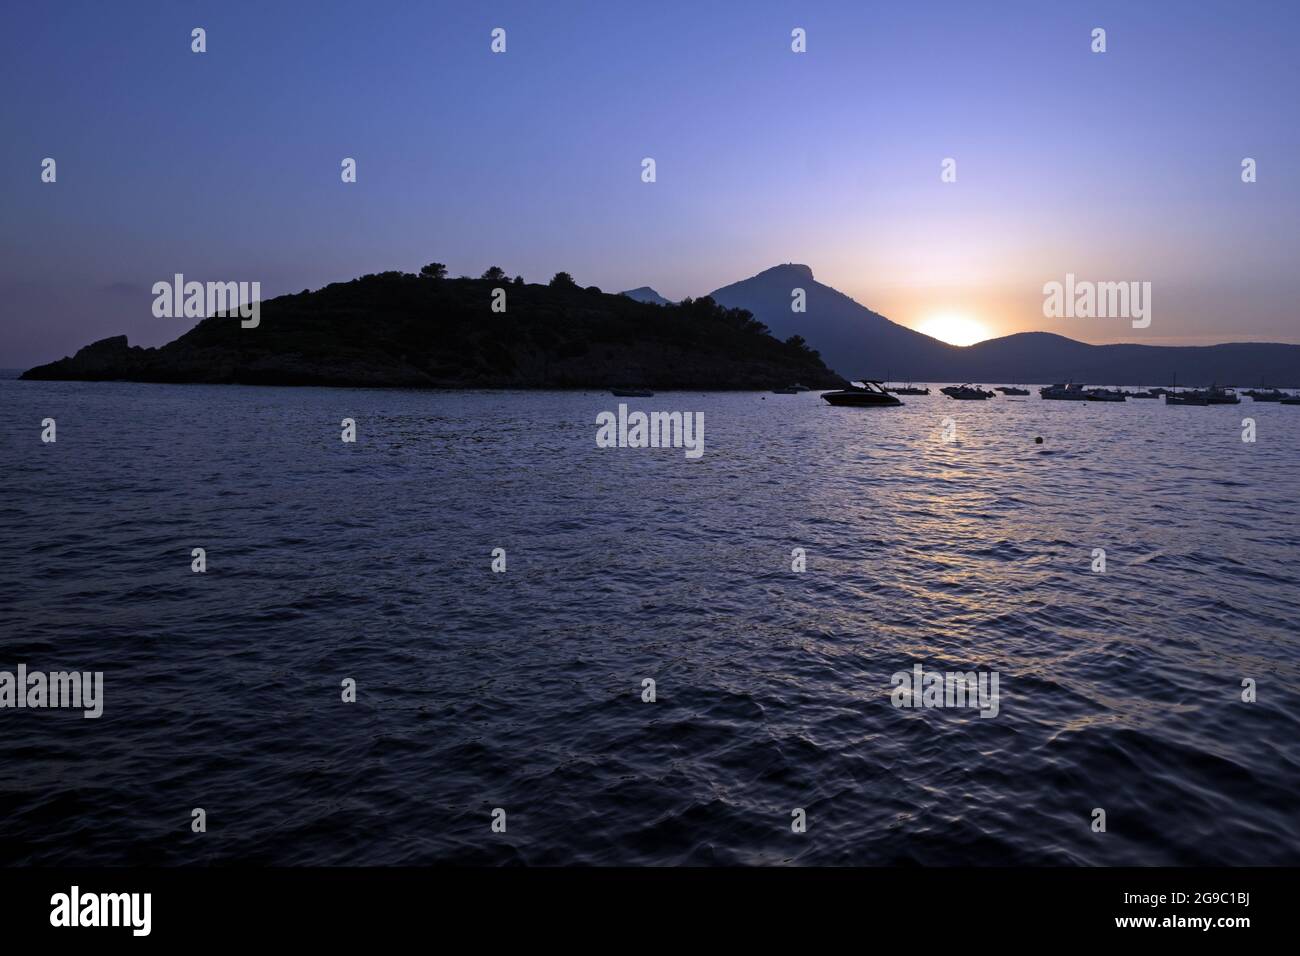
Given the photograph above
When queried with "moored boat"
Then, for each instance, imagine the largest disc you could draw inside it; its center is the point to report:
(1012, 390)
(909, 390)
(1066, 393)
(867, 394)
(967, 393)
(1266, 394)
(1104, 395)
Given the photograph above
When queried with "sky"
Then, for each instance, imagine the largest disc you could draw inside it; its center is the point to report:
(225, 165)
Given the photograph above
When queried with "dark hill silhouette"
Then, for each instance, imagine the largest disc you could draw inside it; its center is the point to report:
(1060, 359)
(857, 342)
(400, 330)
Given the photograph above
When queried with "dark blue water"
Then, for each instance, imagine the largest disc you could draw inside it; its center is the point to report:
(522, 690)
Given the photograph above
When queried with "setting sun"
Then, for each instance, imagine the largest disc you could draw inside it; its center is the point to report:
(954, 329)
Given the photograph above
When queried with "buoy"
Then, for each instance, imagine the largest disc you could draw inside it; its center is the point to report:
(1038, 440)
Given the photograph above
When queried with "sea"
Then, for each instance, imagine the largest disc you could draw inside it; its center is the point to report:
(474, 636)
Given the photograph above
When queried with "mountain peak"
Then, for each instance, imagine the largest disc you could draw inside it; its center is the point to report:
(646, 294)
(792, 270)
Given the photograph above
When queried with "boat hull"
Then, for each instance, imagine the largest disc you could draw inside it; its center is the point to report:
(966, 393)
(860, 400)
(1063, 393)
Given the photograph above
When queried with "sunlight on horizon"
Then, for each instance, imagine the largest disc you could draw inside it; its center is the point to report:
(954, 328)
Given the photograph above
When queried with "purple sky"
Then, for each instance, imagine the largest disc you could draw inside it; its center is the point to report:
(225, 165)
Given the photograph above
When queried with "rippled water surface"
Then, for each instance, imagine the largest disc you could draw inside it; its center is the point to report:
(522, 690)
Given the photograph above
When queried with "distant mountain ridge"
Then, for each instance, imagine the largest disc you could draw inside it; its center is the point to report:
(646, 294)
(859, 343)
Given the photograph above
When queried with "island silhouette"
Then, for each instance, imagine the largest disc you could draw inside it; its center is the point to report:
(405, 330)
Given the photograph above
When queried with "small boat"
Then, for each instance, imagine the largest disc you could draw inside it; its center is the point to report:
(909, 390)
(967, 393)
(1065, 393)
(1186, 398)
(1103, 395)
(1218, 395)
(1154, 393)
(1266, 394)
(1012, 390)
(1290, 400)
(632, 392)
(865, 394)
